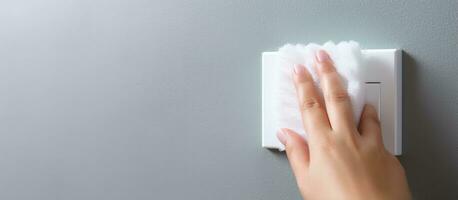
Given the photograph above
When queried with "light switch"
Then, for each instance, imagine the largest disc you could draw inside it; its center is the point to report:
(373, 97)
(382, 70)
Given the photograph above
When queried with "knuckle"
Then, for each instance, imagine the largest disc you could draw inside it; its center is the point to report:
(379, 146)
(326, 146)
(372, 148)
(352, 141)
(338, 96)
(309, 104)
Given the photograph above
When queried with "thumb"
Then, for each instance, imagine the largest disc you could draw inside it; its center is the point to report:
(297, 150)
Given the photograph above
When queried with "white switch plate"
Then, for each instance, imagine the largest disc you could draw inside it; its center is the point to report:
(383, 70)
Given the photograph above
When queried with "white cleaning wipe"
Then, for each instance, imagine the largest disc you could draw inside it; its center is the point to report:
(348, 62)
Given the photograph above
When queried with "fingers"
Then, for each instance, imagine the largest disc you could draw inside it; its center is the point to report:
(296, 149)
(369, 125)
(311, 104)
(337, 101)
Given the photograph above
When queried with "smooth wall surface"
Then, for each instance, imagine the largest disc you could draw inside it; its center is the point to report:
(137, 99)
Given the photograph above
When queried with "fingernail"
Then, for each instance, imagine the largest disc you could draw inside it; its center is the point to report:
(282, 135)
(322, 56)
(299, 69)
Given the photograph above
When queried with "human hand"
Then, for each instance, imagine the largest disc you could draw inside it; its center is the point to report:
(339, 160)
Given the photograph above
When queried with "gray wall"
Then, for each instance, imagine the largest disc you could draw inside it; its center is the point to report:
(137, 99)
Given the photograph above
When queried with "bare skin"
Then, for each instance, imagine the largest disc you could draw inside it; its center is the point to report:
(339, 160)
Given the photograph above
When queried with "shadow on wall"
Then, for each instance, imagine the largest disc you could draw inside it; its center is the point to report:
(425, 167)
(279, 154)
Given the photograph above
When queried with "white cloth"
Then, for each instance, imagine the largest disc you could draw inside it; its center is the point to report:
(348, 62)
